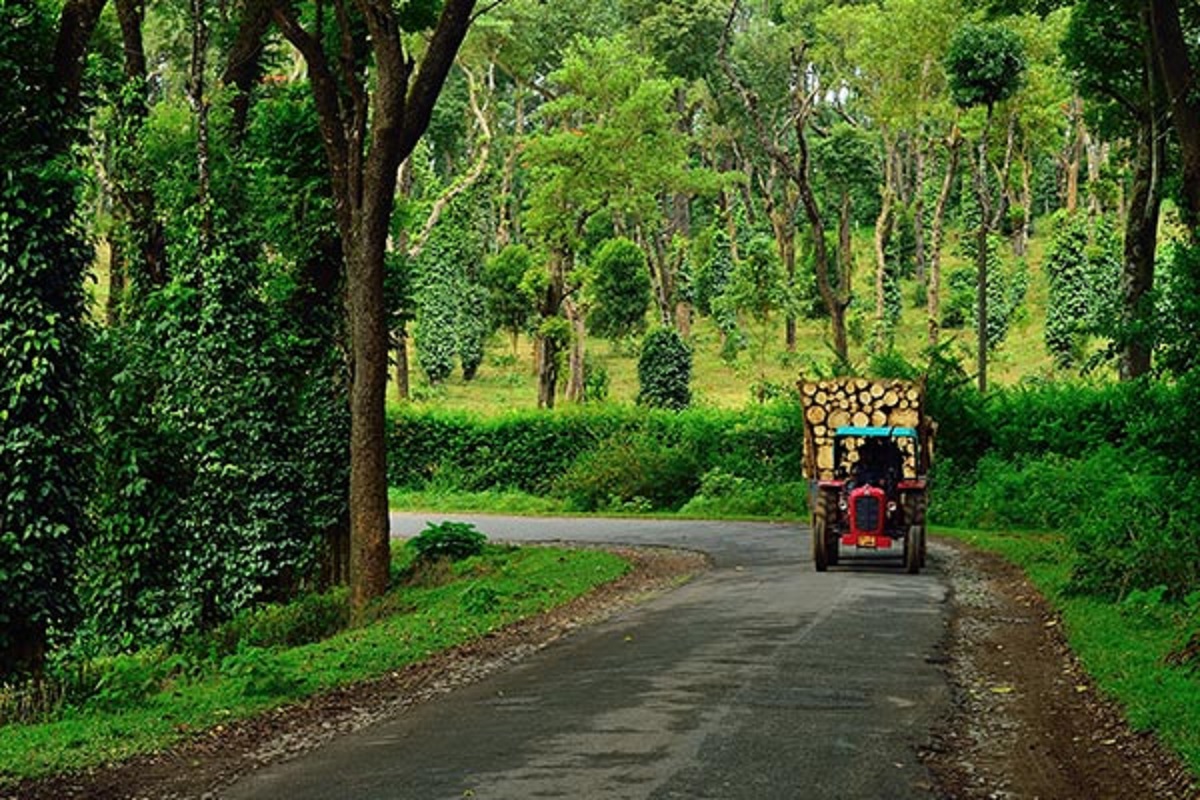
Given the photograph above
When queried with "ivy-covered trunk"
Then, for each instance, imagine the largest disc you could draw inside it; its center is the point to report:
(1141, 237)
(43, 258)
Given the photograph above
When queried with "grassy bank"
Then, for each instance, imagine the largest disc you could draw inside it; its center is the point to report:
(147, 701)
(1136, 649)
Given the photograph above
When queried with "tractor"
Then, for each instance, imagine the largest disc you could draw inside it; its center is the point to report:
(875, 497)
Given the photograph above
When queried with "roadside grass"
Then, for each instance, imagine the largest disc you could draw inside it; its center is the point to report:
(1125, 646)
(773, 503)
(149, 701)
(513, 503)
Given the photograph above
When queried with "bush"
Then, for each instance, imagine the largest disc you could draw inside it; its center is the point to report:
(448, 540)
(621, 288)
(665, 370)
(631, 470)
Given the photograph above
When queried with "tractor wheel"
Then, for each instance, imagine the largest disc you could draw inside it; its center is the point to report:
(919, 520)
(823, 554)
(913, 544)
(820, 552)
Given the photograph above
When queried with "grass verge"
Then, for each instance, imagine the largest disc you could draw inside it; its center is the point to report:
(774, 503)
(147, 702)
(1129, 647)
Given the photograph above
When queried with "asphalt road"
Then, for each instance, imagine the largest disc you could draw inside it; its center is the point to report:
(759, 679)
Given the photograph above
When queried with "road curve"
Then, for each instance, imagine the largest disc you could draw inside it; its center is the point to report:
(760, 679)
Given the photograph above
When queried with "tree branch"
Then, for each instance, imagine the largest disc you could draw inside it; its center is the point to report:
(466, 181)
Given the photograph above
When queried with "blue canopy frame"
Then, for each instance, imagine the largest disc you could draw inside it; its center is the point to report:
(870, 430)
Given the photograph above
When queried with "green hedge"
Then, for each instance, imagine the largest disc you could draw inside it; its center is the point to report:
(656, 455)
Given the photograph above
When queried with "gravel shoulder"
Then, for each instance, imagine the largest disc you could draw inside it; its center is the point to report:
(1027, 720)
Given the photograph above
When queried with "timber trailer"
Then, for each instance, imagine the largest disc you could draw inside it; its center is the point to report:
(868, 445)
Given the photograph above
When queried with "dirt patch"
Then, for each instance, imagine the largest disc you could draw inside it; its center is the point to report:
(200, 766)
(1028, 723)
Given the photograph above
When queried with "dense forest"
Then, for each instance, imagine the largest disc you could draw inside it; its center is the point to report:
(227, 225)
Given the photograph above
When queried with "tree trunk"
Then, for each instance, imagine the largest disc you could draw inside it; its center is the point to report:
(933, 285)
(981, 259)
(1141, 237)
(400, 348)
(883, 231)
(200, 106)
(135, 197)
(575, 362)
(1074, 157)
(918, 212)
(396, 109)
(1179, 78)
(1021, 231)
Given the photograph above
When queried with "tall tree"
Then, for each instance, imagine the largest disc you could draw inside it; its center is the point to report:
(985, 65)
(785, 141)
(43, 256)
(1179, 70)
(1109, 48)
(610, 143)
(374, 99)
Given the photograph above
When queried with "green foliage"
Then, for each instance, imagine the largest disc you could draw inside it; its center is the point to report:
(712, 278)
(595, 380)
(621, 289)
(510, 305)
(665, 370)
(1007, 286)
(473, 329)
(451, 309)
(220, 460)
(985, 64)
(629, 472)
(531, 452)
(1177, 321)
(1083, 286)
(450, 540)
(43, 259)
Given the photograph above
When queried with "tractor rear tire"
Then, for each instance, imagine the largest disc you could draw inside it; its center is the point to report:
(919, 520)
(914, 544)
(825, 552)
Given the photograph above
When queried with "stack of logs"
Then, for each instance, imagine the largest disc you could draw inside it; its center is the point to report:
(832, 404)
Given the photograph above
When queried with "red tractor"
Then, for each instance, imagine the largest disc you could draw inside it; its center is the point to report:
(871, 502)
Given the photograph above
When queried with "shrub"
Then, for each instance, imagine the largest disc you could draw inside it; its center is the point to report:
(631, 470)
(622, 290)
(665, 370)
(448, 540)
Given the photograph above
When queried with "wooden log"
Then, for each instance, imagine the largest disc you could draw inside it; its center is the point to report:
(825, 459)
(860, 418)
(890, 398)
(905, 418)
(877, 390)
(821, 397)
(815, 414)
(861, 383)
(913, 395)
(864, 398)
(820, 431)
(808, 389)
(878, 419)
(838, 419)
